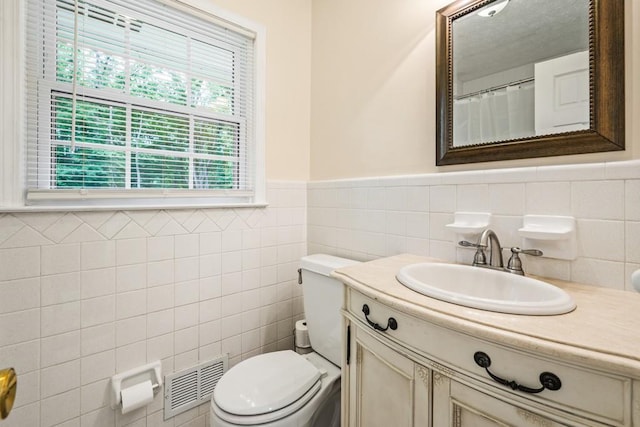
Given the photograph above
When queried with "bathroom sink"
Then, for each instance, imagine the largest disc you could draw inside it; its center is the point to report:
(485, 289)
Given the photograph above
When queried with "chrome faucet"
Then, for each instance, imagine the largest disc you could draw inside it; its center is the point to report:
(489, 239)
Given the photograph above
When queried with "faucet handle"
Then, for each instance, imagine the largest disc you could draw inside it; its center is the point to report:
(514, 265)
(467, 244)
(534, 252)
(479, 259)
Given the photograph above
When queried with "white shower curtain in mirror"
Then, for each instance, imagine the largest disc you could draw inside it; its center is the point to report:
(494, 116)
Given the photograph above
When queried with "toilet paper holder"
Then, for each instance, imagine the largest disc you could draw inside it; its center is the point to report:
(151, 372)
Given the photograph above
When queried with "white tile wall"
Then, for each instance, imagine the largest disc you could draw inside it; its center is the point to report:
(370, 218)
(87, 294)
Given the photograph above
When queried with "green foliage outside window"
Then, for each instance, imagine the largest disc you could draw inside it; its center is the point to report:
(154, 149)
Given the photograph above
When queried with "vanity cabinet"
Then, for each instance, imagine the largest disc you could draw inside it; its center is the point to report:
(409, 365)
(386, 388)
(423, 375)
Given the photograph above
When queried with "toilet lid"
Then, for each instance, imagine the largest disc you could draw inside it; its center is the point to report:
(265, 383)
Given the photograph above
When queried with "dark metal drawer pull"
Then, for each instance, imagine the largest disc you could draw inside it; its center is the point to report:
(391, 323)
(548, 380)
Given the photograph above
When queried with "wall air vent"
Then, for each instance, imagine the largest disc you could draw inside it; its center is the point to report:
(192, 386)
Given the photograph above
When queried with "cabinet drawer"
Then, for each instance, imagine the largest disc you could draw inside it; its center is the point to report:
(471, 407)
(589, 393)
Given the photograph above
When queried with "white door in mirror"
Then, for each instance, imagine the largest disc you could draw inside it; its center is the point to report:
(635, 280)
(562, 94)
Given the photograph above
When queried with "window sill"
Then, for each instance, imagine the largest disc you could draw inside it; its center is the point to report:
(77, 200)
(127, 207)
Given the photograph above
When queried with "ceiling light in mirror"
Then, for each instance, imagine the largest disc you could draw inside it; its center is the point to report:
(492, 10)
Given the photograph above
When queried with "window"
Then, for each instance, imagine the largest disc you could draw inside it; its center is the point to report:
(136, 100)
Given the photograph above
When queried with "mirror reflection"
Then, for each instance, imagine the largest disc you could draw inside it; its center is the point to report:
(520, 69)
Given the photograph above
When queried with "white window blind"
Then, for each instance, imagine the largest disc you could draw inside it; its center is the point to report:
(136, 99)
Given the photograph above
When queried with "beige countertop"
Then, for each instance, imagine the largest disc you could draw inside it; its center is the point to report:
(603, 332)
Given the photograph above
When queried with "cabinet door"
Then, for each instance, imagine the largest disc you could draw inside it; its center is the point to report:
(385, 388)
(455, 404)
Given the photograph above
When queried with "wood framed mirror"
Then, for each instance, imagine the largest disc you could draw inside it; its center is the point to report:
(463, 132)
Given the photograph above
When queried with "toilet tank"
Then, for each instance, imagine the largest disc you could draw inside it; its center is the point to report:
(322, 296)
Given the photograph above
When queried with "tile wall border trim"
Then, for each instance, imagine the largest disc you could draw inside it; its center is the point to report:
(621, 170)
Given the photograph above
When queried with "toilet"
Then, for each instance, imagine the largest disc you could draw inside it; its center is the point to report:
(284, 388)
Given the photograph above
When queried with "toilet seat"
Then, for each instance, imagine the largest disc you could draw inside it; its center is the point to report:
(271, 416)
(266, 388)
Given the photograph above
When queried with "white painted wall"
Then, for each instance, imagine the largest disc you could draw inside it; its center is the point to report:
(84, 295)
(373, 90)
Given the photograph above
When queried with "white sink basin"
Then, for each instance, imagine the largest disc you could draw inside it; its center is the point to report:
(486, 289)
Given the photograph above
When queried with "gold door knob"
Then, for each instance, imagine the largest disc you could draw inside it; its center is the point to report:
(8, 387)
